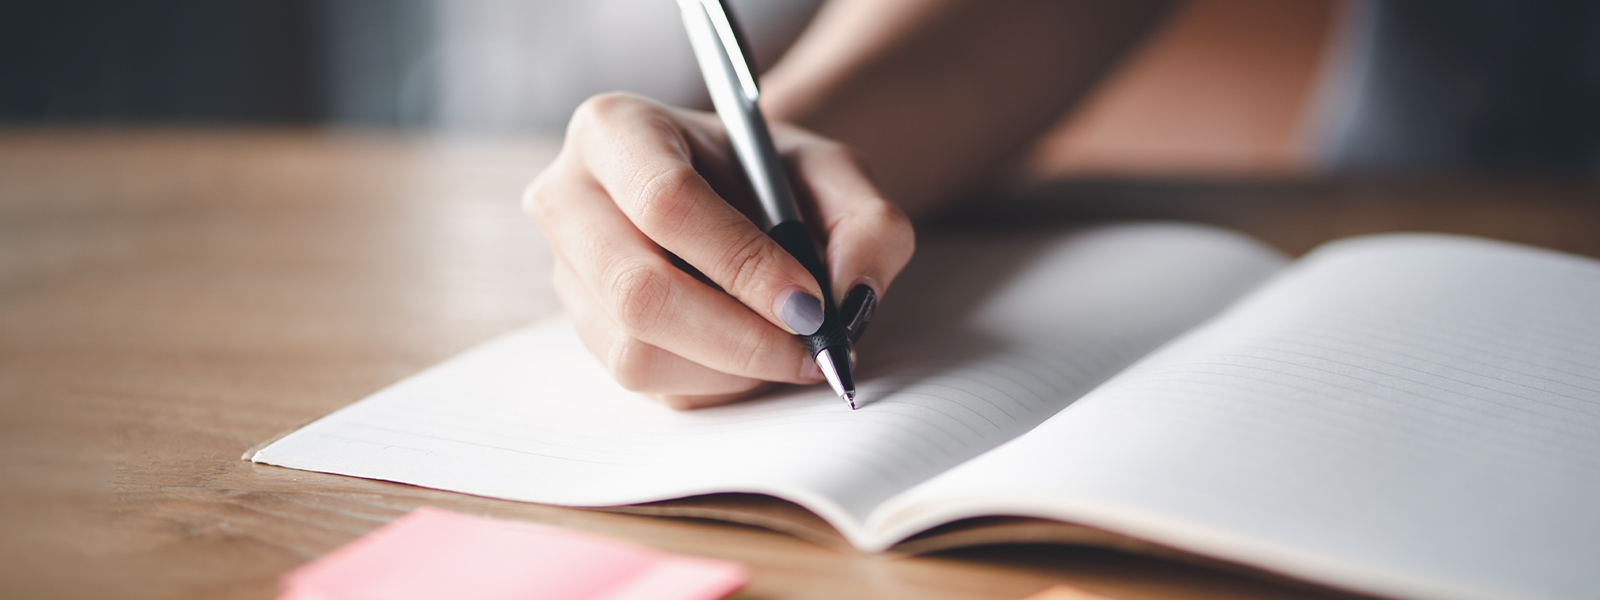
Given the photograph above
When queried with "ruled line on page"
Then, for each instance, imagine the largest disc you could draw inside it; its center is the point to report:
(1074, 312)
(925, 421)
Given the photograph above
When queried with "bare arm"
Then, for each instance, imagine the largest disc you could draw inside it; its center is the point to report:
(936, 94)
(939, 95)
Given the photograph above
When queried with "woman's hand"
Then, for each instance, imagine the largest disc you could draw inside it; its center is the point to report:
(639, 187)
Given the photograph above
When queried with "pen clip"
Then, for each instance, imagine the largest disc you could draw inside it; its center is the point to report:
(729, 35)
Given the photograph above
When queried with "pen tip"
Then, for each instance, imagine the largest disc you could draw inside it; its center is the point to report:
(838, 376)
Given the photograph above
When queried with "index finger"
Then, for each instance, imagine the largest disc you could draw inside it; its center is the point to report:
(869, 239)
(647, 166)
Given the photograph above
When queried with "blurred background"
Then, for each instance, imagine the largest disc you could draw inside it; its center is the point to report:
(1252, 87)
(494, 65)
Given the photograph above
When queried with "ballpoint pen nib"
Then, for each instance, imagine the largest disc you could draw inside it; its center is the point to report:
(838, 378)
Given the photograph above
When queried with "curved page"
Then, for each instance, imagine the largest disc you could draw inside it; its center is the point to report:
(984, 338)
(1411, 416)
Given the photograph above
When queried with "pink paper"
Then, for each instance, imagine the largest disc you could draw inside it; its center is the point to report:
(432, 553)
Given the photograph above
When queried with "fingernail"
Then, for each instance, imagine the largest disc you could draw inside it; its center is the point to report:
(802, 312)
(856, 311)
(809, 370)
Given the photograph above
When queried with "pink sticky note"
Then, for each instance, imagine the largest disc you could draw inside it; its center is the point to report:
(433, 553)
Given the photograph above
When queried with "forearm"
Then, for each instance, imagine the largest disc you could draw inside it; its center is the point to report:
(939, 95)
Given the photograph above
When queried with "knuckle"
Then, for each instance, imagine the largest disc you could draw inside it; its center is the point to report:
(639, 293)
(758, 351)
(536, 199)
(890, 225)
(543, 197)
(604, 109)
(888, 218)
(618, 115)
(660, 202)
(745, 265)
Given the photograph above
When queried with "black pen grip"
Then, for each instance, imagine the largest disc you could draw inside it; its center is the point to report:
(794, 237)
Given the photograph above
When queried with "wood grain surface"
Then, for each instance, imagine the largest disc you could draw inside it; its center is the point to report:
(172, 297)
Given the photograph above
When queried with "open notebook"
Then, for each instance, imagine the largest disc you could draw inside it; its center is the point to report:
(1405, 415)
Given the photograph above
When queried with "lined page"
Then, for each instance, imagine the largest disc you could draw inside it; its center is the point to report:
(1415, 416)
(994, 336)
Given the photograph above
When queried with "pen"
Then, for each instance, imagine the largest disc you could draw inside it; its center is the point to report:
(725, 64)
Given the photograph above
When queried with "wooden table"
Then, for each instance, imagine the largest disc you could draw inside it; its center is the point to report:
(171, 297)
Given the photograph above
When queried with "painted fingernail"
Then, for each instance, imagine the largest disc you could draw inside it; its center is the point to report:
(856, 311)
(802, 312)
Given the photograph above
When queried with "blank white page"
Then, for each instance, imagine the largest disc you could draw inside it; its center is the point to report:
(1411, 416)
(984, 338)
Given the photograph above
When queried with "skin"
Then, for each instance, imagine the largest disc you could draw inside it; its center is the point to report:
(938, 96)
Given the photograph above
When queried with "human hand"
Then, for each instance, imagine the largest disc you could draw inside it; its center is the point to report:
(640, 189)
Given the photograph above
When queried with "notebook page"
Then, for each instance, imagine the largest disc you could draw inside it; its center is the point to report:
(1415, 416)
(532, 417)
